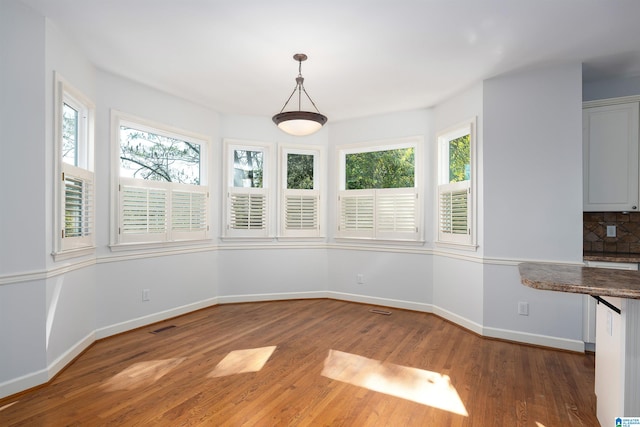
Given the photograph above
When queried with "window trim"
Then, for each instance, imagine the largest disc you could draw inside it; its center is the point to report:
(267, 189)
(118, 118)
(464, 242)
(284, 192)
(379, 236)
(72, 247)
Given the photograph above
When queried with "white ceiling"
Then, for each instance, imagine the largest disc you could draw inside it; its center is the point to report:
(365, 56)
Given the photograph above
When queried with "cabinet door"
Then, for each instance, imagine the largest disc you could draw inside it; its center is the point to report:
(610, 158)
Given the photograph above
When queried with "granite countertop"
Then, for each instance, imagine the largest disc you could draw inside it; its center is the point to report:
(581, 280)
(611, 257)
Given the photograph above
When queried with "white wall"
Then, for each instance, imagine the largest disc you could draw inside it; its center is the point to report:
(70, 295)
(458, 285)
(611, 88)
(258, 273)
(395, 279)
(532, 172)
(22, 196)
(532, 166)
(22, 159)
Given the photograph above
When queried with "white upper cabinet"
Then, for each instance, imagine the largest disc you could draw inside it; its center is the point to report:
(610, 157)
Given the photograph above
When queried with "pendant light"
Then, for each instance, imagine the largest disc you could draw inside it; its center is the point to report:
(299, 123)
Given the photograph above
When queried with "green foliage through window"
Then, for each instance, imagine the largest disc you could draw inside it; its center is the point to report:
(460, 159)
(300, 171)
(380, 169)
(156, 157)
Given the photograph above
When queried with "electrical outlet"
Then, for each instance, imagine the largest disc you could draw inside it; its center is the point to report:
(360, 278)
(145, 295)
(611, 231)
(523, 308)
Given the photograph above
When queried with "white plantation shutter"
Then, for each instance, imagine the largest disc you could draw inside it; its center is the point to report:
(247, 212)
(189, 213)
(454, 223)
(300, 213)
(388, 213)
(396, 213)
(78, 207)
(144, 211)
(357, 213)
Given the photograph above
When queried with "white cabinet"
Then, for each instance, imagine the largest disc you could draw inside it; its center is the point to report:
(610, 156)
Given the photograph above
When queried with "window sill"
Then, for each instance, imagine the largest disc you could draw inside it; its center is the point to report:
(73, 253)
(380, 242)
(183, 244)
(459, 246)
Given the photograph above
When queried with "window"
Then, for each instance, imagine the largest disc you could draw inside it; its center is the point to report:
(75, 191)
(300, 192)
(379, 191)
(455, 178)
(162, 192)
(248, 184)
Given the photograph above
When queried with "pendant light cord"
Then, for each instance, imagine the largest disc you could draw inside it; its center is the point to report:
(300, 88)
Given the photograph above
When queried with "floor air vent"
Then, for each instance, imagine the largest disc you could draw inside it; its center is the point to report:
(166, 328)
(377, 311)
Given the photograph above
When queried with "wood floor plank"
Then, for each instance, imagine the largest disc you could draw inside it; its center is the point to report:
(175, 376)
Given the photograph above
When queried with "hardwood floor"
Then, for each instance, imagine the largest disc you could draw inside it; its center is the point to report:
(324, 359)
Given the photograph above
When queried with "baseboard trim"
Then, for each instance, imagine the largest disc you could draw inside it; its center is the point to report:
(534, 339)
(138, 322)
(43, 376)
(458, 320)
(231, 299)
(385, 302)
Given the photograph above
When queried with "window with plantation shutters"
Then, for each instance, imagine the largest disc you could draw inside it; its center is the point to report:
(456, 204)
(159, 212)
(300, 192)
(247, 201)
(78, 206)
(396, 213)
(301, 211)
(387, 214)
(74, 190)
(379, 195)
(189, 212)
(144, 216)
(357, 213)
(247, 210)
(454, 213)
(162, 197)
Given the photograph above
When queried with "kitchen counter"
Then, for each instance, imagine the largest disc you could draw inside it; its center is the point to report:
(581, 280)
(611, 257)
(617, 372)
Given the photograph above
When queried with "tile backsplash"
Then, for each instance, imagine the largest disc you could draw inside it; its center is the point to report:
(627, 238)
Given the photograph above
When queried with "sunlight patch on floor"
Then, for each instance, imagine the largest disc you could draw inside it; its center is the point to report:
(242, 361)
(538, 424)
(418, 385)
(141, 374)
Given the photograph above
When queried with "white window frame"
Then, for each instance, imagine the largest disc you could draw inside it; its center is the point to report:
(258, 200)
(404, 222)
(306, 199)
(448, 193)
(175, 232)
(79, 179)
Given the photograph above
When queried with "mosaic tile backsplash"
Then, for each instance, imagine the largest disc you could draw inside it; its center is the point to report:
(627, 238)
